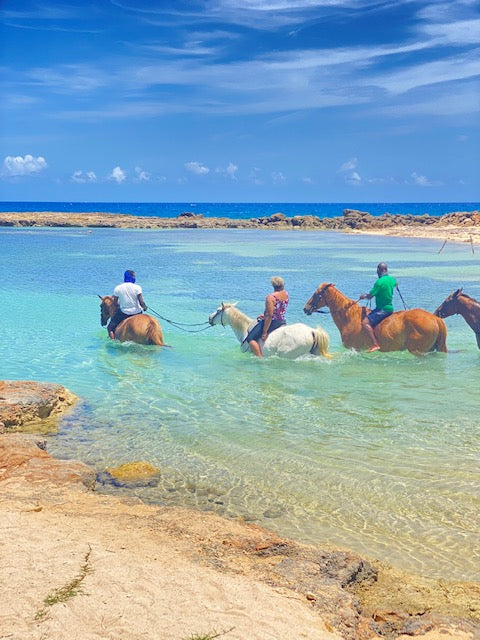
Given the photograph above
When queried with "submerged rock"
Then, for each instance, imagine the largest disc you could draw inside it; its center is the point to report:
(131, 474)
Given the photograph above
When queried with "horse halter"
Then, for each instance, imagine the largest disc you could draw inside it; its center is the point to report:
(314, 304)
(451, 302)
(220, 311)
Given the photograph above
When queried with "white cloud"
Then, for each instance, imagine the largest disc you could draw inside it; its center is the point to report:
(83, 176)
(278, 177)
(118, 175)
(23, 166)
(354, 179)
(197, 167)
(230, 171)
(307, 180)
(349, 165)
(141, 175)
(422, 181)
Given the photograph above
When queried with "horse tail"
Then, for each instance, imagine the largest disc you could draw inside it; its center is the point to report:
(441, 342)
(321, 343)
(155, 335)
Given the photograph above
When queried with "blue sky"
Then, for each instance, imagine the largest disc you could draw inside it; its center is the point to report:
(240, 100)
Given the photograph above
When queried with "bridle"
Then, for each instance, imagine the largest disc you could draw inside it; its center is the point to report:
(315, 300)
(220, 311)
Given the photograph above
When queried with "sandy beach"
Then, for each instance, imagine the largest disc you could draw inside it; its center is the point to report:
(80, 565)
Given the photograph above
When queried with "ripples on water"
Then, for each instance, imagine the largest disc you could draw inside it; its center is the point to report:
(378, 453)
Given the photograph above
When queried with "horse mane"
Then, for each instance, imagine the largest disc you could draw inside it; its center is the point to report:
(477, 303)
(235, 312)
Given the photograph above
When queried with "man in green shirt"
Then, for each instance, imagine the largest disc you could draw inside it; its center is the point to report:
(382, 290)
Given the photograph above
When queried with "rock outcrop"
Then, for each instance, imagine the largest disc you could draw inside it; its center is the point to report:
(350, 220)
(25, 405)
(25, 456)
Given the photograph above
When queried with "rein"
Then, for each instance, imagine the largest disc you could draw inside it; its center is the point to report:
(181, 325)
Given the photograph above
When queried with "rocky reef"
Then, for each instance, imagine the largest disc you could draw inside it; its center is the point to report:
(350, 220)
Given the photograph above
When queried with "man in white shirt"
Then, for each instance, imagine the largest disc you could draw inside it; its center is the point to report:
(128, 296)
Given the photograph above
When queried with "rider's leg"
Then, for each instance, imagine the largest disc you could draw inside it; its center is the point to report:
(367, 327)
(255, 348)
(111, 329)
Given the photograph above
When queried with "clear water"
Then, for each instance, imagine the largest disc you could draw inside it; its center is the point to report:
(377, 453)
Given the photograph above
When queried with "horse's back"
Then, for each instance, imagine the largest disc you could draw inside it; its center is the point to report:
(289, 341)
(418, 329)
(140, 328)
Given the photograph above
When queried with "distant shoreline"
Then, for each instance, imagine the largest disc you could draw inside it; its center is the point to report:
(459, 226)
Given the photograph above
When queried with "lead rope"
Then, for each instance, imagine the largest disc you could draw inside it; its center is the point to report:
(181, 325)
(405, 306)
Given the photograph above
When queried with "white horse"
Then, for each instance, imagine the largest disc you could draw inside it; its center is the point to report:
(288, 341)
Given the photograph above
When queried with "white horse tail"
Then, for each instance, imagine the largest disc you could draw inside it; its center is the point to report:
(321, 343)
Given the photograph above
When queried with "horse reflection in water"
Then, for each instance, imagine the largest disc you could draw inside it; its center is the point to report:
(417, 330)
(140, 328)
(288, 341)
(462, 304)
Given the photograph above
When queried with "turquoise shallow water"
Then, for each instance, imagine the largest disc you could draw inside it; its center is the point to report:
(378, 453)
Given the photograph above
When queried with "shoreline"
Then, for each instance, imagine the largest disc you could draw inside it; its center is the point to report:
(145, 567)
(94, 565)
(461, 227)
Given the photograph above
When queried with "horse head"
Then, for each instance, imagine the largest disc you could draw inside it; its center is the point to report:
(449, 305)
(107, 308)
(217, 316)
(317, 301)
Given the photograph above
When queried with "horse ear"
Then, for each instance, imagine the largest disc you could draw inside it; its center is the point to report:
(234, 304)
(457, 292)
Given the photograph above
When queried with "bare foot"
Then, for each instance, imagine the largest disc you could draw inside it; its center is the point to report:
(373, 348)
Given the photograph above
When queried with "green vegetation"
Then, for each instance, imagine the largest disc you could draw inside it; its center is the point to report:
(209, 636)
(68, 591)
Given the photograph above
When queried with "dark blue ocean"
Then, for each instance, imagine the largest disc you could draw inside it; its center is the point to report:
(243, 210)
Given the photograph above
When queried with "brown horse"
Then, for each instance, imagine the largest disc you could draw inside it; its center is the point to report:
(140, 328)
(464, 305)
(416, 330)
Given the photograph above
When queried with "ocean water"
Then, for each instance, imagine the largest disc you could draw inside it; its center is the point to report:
(376, 453)
(242, 210)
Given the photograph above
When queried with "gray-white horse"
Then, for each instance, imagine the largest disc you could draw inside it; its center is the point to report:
(288, 341)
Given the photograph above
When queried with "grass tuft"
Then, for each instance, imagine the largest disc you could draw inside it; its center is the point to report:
(68, 591)
(209, 636)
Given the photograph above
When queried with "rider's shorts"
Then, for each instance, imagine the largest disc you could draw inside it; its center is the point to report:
(377, 315)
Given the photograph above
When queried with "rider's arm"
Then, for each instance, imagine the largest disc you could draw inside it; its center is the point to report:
(142, 302)
(366, 296)
(267, 320)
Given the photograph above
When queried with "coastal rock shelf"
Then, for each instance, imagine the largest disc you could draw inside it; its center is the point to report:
(350, 220)
(333, 593)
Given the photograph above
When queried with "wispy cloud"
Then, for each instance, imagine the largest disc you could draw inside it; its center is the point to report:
(422, 181)
(141, 175)
(81, 177)
(197, 168)
(230, 171)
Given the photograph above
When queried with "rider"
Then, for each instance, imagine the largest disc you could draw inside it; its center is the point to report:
(383, 292)
(128, 296)
(273, 317)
